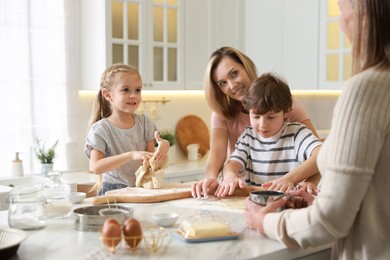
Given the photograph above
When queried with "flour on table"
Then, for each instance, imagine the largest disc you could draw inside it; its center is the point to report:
(230, 203)
(234, 202)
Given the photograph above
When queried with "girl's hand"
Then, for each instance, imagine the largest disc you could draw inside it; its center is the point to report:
(255, 214)
(204, 187)
(282, 184)
(228, 185)
(161, 155)
(141, 156)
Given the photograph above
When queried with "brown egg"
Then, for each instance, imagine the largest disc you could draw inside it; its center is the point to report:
(111, 233)
(132, 232)
(111, 220)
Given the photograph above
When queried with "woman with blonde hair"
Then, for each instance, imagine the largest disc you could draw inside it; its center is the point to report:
(228, 75)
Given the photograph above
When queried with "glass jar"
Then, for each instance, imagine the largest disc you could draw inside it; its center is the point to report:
(27, 207)
(58, 203)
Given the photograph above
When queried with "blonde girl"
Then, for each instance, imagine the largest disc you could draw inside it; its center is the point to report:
(119, 141)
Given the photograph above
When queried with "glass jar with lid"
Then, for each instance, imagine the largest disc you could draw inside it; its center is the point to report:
(58, 204)
(27, 207)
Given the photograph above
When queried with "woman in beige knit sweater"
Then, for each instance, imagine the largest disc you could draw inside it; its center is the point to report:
(352, 210)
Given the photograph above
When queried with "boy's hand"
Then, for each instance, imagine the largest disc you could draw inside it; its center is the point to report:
(228, 185)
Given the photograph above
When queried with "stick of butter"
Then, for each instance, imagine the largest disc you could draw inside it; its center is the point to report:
(205, 229)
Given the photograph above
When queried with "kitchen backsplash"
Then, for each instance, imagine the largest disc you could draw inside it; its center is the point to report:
(318, 104)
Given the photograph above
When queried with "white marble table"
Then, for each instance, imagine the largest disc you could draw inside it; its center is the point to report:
(60, 240)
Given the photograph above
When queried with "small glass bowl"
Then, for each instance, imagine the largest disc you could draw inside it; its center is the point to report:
(165, 219)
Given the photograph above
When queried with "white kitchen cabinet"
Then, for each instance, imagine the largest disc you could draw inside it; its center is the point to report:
(202, 27)
(283, 36)
(145, 34)
(209, 25)
(148, 35)
(93, 54)
(185, 171)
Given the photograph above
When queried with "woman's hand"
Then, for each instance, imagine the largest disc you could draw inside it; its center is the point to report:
(255, 214)
(282, 184)
(205, 187)
(311, 184)
(299, 199)
(309, 187)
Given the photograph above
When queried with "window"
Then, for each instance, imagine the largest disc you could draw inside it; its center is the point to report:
(335, 49)
(38, 79)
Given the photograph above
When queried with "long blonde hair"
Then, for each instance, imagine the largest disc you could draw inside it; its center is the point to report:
(101, 107)
(216, 99)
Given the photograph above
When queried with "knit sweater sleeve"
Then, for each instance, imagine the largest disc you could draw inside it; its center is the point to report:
(347, 161)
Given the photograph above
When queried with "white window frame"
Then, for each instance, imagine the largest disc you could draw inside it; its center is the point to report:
(324, 20)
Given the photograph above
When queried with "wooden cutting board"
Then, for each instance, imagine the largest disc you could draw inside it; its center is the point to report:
(168, 191)
(192, 129)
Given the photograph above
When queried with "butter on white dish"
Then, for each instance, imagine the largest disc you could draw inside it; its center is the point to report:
(205, 229)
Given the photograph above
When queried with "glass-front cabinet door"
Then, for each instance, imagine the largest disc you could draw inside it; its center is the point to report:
(335, 49)
(147, 34)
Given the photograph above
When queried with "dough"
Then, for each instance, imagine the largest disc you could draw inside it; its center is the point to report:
(150, 176)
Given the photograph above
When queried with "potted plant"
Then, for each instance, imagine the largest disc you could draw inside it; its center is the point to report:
(45, 156)
(170, 137)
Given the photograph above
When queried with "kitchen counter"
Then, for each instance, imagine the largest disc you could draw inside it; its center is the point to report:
(179, 172)
(186, 171)
(60, 240)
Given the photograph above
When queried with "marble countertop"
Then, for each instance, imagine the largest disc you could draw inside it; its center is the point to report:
(60, 240)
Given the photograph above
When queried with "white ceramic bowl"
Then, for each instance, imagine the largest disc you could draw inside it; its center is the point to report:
(165, 219)
(10, 239)
(77, 197)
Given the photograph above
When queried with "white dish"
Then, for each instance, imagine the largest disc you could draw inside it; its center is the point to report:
(10, 240)
(165, 219)
(179, 234)
(77, 197)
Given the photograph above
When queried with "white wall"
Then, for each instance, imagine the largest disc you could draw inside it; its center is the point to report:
(319, 106)
(179, 105)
